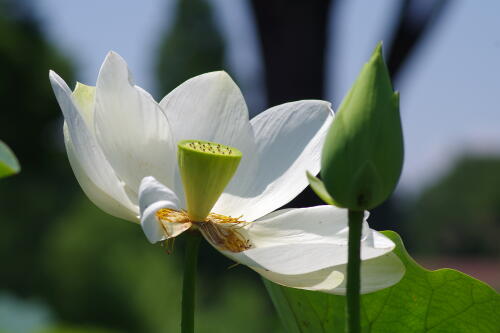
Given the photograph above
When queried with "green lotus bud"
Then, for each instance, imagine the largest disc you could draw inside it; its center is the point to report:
(363, 152)
(206, 168)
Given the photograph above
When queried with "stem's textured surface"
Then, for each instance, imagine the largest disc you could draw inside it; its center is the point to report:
(353, 322)
(189, 281)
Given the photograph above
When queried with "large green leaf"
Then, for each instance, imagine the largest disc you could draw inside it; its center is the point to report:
(423, 301)
(8, 161)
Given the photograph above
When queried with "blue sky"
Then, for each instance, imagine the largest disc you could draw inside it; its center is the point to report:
(450, 89)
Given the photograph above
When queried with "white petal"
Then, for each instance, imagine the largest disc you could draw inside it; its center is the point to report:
(289, 139)
(211, 107)
(376, 274)
(98, 196)
(152, 191)
(91, 168)
(305, 240)
(131, 128)
(154, 196)
(84, 98)
(323, 280)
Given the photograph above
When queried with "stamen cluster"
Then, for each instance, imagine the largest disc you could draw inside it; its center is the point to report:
(219, 229)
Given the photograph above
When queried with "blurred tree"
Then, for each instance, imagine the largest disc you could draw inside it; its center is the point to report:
(192, 46)
(29, 118)
(293, 38)
(414, 20)
(102, 271)
(460, 213)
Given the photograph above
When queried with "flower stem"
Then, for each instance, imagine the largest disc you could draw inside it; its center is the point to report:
(353, 322)
(189, 281)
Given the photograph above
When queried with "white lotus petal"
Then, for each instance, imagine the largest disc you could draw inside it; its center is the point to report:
(131, 128)
(319, 224)
(92, 170)
(152, 191)
(211, 107)
(84, 99)
(376, 274)
(98, 196)
(323, 280)
(305, 240)
(289, 140)
(154, 196)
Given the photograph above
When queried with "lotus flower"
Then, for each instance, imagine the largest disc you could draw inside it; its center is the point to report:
(122, 146)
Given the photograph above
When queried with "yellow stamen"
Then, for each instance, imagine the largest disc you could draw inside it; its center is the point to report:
(221, 230)
(172, 216)
(224, 237)
(218, 218)
(166, 215)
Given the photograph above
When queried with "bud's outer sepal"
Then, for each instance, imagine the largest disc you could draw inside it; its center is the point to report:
(205, 168)
(319, 188)
(363, 153)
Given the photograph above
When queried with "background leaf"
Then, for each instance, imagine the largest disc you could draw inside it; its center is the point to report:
(444, 300)
(8, 161)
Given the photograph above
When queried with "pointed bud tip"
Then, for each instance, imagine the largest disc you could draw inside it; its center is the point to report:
(377, 56)
(113, 57)
(363, 153)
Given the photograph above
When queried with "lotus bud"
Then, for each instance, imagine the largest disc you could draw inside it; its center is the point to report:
(363, 152)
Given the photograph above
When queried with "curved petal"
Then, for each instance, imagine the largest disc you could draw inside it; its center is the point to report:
(154, 196)
(124, 210)
(211, 107)
(84, 99)
(152, 191)
(323, 280)
(92, 170)
(289, 140)
(376, 274)
(131, 129)
(305, 240)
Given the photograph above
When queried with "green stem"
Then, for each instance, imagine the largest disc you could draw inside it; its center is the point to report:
(189, 281)
(353, 320)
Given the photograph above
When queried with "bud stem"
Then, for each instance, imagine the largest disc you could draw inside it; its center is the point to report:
(353, 310)
(189, 281)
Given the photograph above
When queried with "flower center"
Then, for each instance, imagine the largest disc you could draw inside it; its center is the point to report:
(210, 147)
(220, 230)
(206, 169)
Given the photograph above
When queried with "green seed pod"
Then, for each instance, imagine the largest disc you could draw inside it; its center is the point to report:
(206, 168)
(363, 153)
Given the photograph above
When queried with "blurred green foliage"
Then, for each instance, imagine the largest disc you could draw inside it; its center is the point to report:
(192, 46)
(94, 272)
(30, 201)
(459, 214)
(102, 270)
(69, 329)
